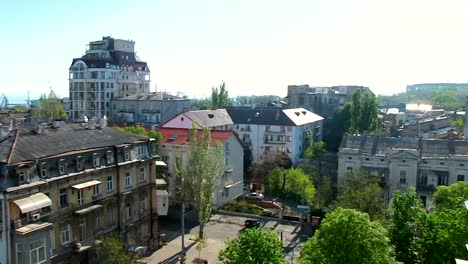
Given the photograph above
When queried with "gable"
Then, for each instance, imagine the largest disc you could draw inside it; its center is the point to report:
(404, 155)
(180, 121)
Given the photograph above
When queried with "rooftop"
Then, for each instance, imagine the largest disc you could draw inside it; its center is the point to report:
(180, 136)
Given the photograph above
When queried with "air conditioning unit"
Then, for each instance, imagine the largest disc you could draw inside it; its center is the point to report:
(36, 217)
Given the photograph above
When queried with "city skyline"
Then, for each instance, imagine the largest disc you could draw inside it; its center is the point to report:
(256, 47)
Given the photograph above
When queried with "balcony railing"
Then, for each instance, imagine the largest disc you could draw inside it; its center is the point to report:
(425, 187)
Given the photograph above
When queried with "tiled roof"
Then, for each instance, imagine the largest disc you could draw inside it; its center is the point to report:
(272, 116)
(210, 118)
(31, 146)
(180, 136)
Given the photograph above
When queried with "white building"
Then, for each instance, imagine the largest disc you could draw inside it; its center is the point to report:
(268, 132)
(109, 69)
(174, 145)
(405, 161)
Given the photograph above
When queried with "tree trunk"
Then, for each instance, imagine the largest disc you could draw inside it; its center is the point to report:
(200, 231)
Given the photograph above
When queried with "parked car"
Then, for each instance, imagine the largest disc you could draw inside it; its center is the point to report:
(249, 223)
(254, 196)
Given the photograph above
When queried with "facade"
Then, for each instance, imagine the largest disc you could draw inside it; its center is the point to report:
(174, 145)
(64, 187)
(406, 161)
(109, 69)
(218, 119)
(150, 108)
(325, 101)
(269, 132)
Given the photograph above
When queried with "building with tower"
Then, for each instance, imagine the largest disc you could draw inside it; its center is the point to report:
(109, 69)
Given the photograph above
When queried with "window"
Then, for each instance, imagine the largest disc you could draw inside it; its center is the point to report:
(61, 168)
(98, 221)
(127, 155)
(460, 177)
(289, 128)
(128, 179)
(19, 253)
(267, 128)
(37, 253)
(289, 150)
(80, 197)
(79, 163)
(110, 157)
(44, 170)
(63, 197)
(283, 129)
(142, 204)
(65, 234)
(97, 190)
(423, 178)
(142, 174)
(82, 229)
(111, 215)
(289, 138)
(226, 160)
(128, 211)
(442, 180)
(402, 177)
(141, 152)
(21, 177)
(110, 183)
(96, 160)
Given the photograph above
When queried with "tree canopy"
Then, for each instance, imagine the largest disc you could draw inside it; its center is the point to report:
(360, 191)
(220, 96)
(348, 236)
(253, 246)
(451, 197)
(364, 112)
(293, 184)
(50, 108)
(115, 251)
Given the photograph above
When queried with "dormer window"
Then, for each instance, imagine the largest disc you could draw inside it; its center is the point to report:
(127, 155)
(43, 170)
(96, 160)
(22, 176)
(110, 157)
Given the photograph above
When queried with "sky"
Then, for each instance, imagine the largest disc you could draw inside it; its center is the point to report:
(255, 46)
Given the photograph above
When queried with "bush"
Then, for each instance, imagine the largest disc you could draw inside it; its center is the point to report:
(246, 208)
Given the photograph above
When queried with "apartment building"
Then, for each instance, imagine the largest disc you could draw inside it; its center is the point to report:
(405, 161)
(175, 145)
(109, 69)
(218, 119)
(324, 101)
(149, 109)
(269, 132)
(65, 186)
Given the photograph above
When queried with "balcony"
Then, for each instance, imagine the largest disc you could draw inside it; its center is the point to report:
(273, 141)
(425, 187)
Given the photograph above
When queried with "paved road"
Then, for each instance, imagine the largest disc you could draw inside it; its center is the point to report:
(220, 229)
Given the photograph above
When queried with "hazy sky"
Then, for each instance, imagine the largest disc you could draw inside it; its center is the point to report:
(256, 47)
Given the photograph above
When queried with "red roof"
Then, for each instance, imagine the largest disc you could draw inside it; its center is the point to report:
(180, 136)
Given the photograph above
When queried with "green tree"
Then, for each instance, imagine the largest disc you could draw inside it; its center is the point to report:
(362, 192)
(451, 197)
(458, 123)
(115, 251)
(50, 108)
(293, 184)
(252, 247)
(364, 112)
(202, 173)
(220, 96)
(141, 131)
(201, 104)
(406, 216)
(315, 150)
(337, 127)
(348, 236)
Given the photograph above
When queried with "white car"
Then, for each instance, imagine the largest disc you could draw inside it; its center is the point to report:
(254, 196)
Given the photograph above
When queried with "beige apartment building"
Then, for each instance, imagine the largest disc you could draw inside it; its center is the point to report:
(401, 162)
(65, 186)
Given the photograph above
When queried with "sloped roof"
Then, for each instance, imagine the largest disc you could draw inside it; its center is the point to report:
(30, 146)
(210, 118)
(376, 144)
(272, 116)
(180, 136)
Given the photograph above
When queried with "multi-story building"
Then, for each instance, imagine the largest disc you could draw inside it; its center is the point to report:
(218, 119)
(150, 109)
(63, 187)
(109, 69)
(325, 101)
(269, 132)
(405, 161)
(174, 145)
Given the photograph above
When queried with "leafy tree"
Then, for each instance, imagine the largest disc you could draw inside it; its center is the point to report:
(337, 127)
(324, 186)
(362, 192)
(451, 197)
(348, 236)
(458, 123)
(141, 131)
(292, 183)
(50, 108)
(253, 246)
(202, 173)
(201, 104)
(220, 97)
(364, 112)
(406, 216)
(115, 251)
(315, 150)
